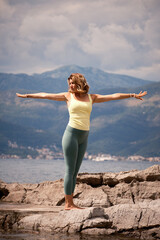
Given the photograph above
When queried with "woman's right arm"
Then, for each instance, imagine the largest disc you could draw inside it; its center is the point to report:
(51, 96)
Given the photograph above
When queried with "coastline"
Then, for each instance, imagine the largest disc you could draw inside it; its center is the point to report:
(47, 154)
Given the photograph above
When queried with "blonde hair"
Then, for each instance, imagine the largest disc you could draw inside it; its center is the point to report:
(80, 81)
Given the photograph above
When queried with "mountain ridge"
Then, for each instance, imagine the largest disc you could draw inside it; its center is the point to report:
(57, 79)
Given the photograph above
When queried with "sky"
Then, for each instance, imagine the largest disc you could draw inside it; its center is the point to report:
(116, 36)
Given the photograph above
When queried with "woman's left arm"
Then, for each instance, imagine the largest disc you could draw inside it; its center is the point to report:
(97, 98)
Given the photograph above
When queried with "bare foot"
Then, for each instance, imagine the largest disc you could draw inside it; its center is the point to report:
(72, 207)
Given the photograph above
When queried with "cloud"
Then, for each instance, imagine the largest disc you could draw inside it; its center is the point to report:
(152, 72)
(108, 44)
(151, 32)
(120, 36)
(6, 11)
(45, 26)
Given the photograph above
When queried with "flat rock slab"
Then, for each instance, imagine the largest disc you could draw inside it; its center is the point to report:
(28, 208)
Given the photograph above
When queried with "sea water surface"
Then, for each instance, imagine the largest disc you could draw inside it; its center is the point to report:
(27, 236)
(36, 171)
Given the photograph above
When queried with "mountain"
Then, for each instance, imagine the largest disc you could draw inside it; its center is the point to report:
(56, 80)
(96, 78)
(126, 127)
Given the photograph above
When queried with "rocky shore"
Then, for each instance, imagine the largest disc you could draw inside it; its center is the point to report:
(126, 203)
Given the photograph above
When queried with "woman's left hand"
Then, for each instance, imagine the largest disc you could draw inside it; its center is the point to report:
(140, 95)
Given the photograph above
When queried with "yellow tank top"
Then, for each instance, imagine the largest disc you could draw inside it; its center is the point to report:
(79, 113)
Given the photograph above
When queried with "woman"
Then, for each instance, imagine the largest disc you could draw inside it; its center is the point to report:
(74, 141)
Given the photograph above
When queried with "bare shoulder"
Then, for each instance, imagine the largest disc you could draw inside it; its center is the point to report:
(67, 96)
(62, 96)
(93, 96)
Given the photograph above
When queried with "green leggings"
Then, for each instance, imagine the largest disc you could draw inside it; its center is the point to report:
(74, 143)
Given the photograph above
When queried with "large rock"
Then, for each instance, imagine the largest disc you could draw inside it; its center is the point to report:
(138, 220)
(66, 221)
(92, 190)
(125, 202)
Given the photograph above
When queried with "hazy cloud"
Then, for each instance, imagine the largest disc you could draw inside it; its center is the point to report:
(120, 36)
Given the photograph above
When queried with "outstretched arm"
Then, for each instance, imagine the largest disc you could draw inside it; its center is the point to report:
(50, 96)
(97, 98)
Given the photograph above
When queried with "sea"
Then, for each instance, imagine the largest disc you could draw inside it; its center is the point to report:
(40, 170)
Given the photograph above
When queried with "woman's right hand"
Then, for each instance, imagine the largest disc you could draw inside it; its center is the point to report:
(21, 95)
